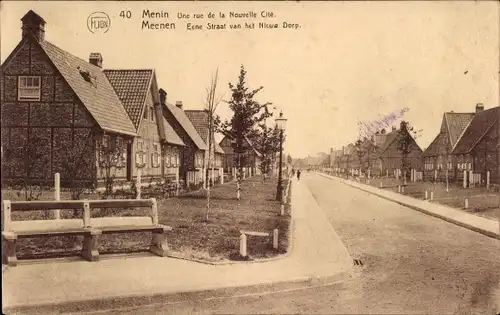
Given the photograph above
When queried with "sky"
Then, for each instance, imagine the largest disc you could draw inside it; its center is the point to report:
(348, 61)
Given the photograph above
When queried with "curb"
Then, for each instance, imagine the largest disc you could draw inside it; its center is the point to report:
(436, 215)
(124, 302)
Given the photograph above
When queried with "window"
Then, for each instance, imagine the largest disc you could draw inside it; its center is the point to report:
(105, 141)
(152, 111)
(470, 166)
(29, 88)
(145, 113)
(119, 143)
(177, 160)
(155, 155)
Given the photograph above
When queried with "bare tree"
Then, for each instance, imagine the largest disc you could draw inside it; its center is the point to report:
(111, 159)
(212, 102)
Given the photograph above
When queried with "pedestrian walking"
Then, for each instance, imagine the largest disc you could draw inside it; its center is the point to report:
(298, 174)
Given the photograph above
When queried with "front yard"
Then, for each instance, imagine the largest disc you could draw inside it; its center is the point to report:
(192, 237)
(481, 202)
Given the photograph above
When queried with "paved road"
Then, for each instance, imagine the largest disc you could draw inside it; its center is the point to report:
(412, 264)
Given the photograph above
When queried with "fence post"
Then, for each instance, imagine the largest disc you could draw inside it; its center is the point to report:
(177, 181)
(402, 189)
(381, 185)
(275, 239)
(243, 245)
(399, 189)
(432, 195)
(86, 213)
(488, 180)
(221, 175)
(154, 211)
(465, 179)
(426, 195)
(6, 215)
(57, 194)
(138, 184)
(466, 203)
(471, 178)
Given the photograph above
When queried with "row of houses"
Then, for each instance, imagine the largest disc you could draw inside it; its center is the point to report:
(467, 143)
(60, 103)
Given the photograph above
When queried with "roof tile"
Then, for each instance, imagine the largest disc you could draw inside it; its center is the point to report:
(97, 95)
(132, 87)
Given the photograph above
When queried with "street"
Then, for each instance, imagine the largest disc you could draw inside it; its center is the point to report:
(411, 264)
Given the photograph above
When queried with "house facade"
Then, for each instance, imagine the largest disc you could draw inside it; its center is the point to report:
(213, 170)
(155, 150)
(251, 158)
(387, 158)
(192, 154)
(58, 111)
(437, 159)
(476, 152)
(62, 114)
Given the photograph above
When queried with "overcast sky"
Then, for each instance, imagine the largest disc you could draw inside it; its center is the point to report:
(349, 61)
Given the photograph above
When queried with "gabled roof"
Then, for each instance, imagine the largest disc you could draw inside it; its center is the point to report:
(456, 123)
(98, 96)
(252, 146)
(199, 119)
(476, 130)
(453, 126)
(186, 124)
(170, 134)
(389, 139)
(132, 87)
(230, 150)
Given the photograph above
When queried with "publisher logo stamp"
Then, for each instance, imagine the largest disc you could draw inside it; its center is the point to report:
(98, 22)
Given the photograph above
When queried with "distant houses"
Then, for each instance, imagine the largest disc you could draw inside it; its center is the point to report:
(250, 157)
(63, 114)
(465, 150)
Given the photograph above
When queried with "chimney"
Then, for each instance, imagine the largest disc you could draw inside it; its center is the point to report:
(163, 96)
(479, 107)
(178, 104)
(96, 59)
(393, 128)
(33, 24)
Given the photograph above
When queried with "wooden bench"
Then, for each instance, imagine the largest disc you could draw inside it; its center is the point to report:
(87, 226)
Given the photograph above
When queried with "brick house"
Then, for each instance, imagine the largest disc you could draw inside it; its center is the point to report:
(251, 157)
(193, 153)
(199, 119)
(156, 148)
(57, 112)
(387, 158)
(477, 148)
(434, 160)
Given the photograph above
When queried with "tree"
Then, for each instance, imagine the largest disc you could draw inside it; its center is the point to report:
(247, 113)
(268, 144)
(111, 159)
(212, 102)
(76, 165)
(25, 163)
(406, 138)
(359, 148)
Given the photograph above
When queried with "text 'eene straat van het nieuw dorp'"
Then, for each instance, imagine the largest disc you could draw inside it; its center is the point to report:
(231, 20)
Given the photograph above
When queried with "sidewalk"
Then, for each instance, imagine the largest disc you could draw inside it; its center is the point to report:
(317, 256)
(472, 222)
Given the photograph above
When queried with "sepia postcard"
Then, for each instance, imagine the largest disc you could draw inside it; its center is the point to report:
(250, 157)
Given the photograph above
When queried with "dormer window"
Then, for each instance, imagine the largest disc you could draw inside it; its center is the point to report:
(29, 88)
